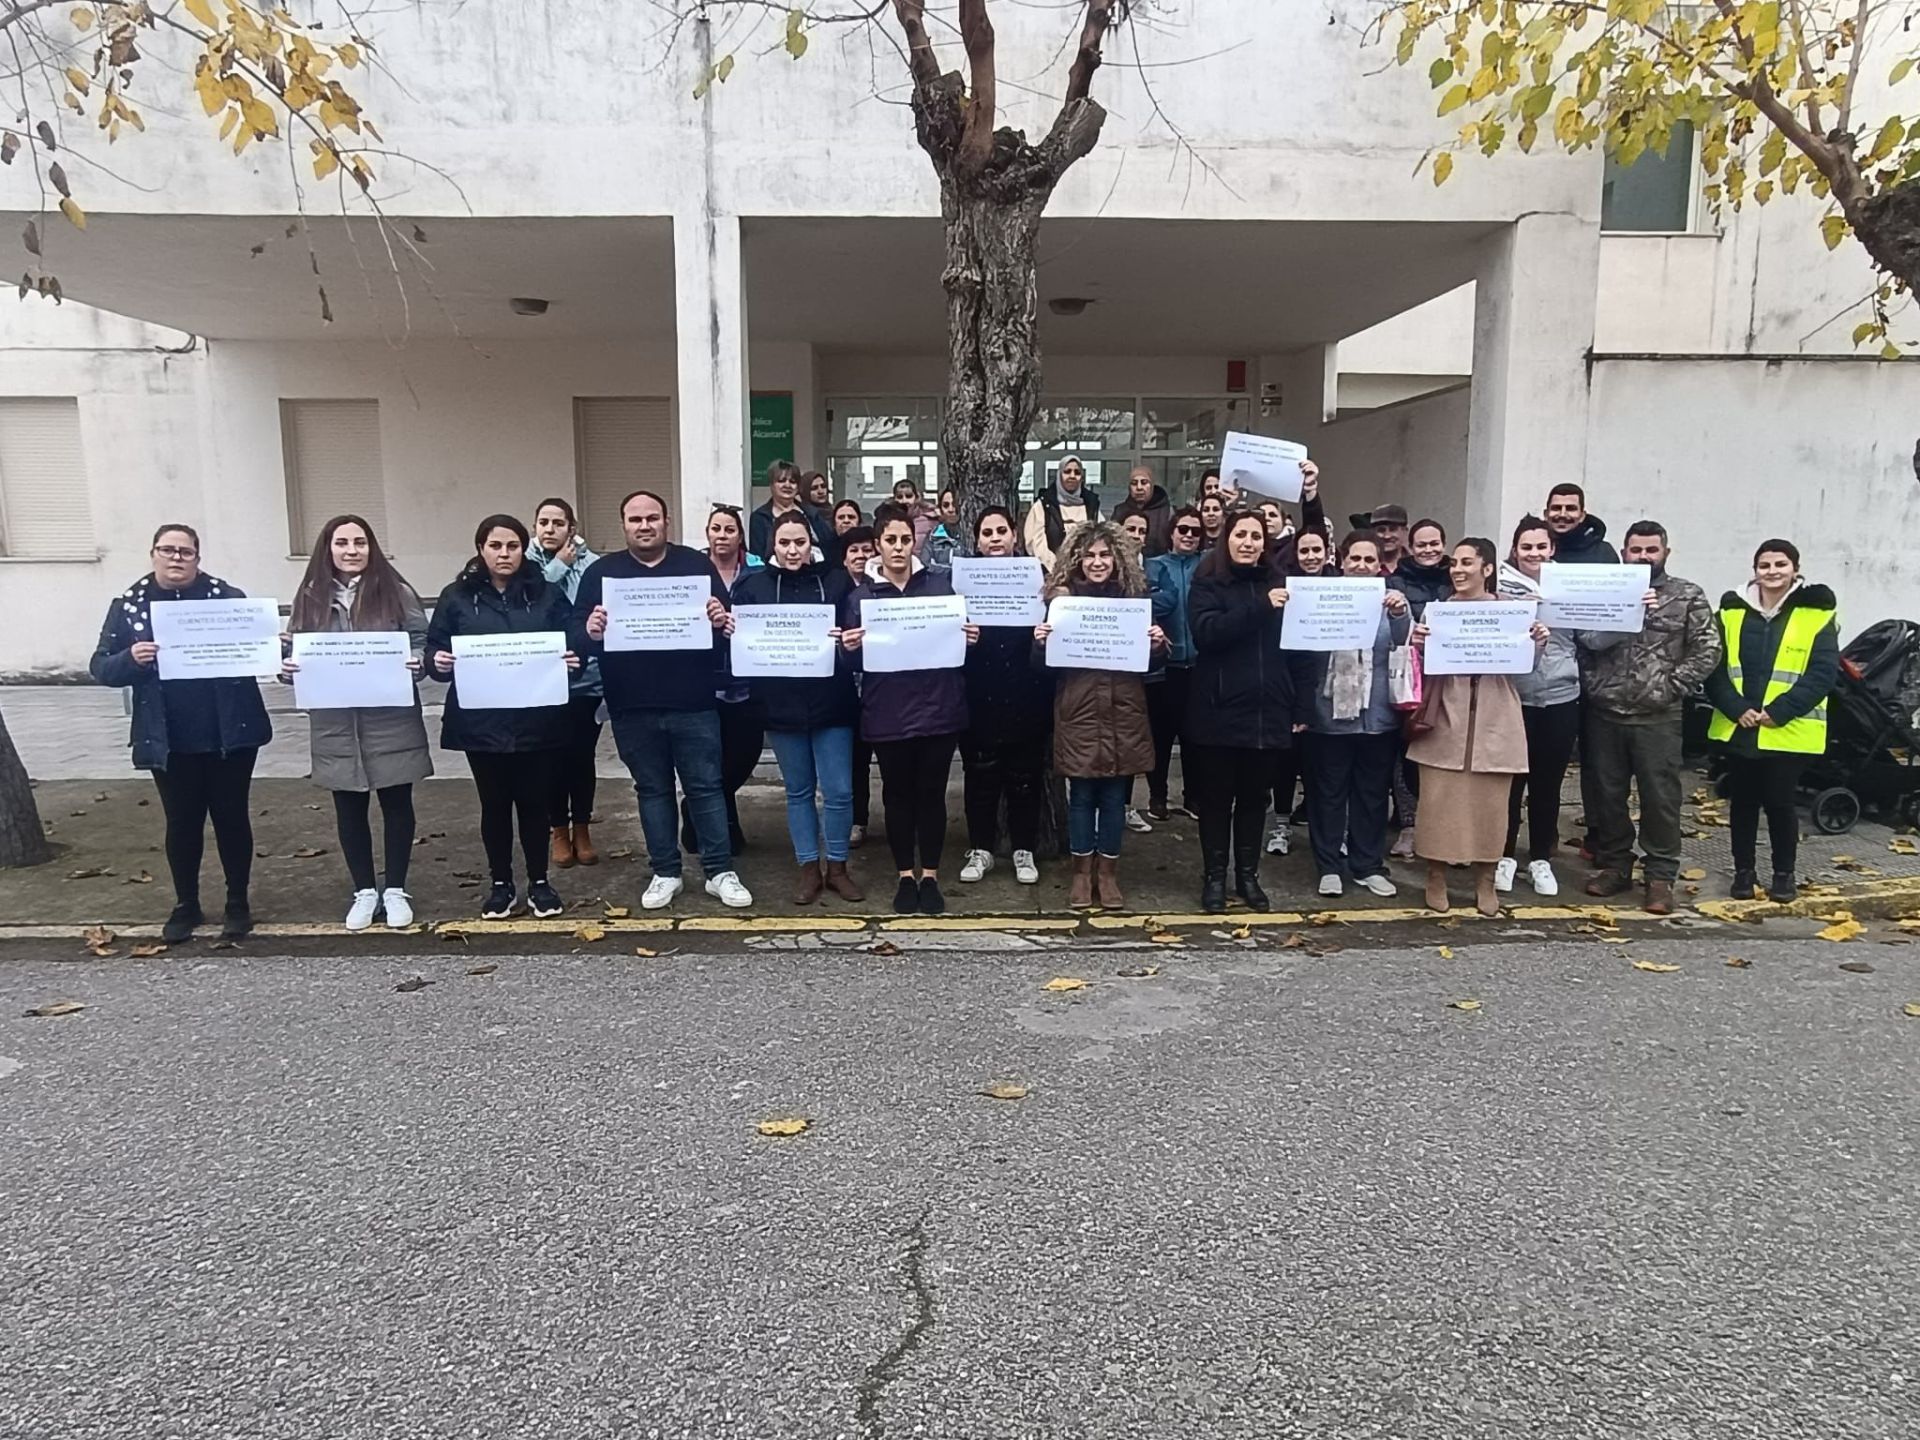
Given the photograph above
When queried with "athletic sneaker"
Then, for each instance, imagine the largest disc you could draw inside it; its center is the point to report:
(1024, 869)
(365, 904)
(399, 907)
(500, 901)
(1540, 875)
(979, 862)
(932, 902)
(857, 836)
(1137, 822)
(1379, 885)
(661, 891)
(543, 900)
(1187, 810)
(1279, 838)
(1158, 811)
(906, 896)
(1503, 874)
(727, 889)
(1330, 885)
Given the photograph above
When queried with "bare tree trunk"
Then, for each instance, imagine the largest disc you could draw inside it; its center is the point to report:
(1888, 224)
(23, 839)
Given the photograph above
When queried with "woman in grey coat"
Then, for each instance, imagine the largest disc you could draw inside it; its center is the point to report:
(357, 753)
(1550, 705)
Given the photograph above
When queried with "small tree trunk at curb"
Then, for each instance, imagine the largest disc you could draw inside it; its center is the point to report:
(23, 839)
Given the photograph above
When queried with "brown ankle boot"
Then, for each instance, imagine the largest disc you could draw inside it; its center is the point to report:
(807, 889)
(583, 851)
(841, 883)
(561, 854)
(1080, 889)
(1106, 883)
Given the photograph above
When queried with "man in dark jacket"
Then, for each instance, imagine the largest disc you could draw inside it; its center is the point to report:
(1146, 498)
(665, 719)
(1578, 538)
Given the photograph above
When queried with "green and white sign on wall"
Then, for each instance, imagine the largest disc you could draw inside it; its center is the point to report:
(770, 432)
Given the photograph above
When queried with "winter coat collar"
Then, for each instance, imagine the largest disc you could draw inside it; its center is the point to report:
(1817, 597)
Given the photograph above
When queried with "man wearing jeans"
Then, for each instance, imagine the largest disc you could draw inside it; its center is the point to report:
(665, 720)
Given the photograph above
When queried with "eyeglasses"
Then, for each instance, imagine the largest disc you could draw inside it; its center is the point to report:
(1186, 529)
(176, 552)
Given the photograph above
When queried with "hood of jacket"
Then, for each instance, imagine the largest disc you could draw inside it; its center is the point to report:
(1817, 597)
(1156, 501)
(1583, 537)
(874, 573)
(1129, 575)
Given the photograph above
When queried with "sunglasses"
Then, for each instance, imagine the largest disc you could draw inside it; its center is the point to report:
(1186, 529)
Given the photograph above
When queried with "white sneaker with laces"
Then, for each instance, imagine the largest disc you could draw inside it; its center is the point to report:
(1379, 885)
(1279, 838)
(1024, 868)
(399, 907)
(365, 903)
(727, 889)
(979, 862)
(1540, 875)
(1503, 874)
(661, 891)
(1138, 823)
(1330, 885)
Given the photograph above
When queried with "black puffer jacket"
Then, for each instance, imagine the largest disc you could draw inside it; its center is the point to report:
(1586, 544)
(1246, 692)
(1759, 645)
(1421, 584)
(471, 606)
(1008, 697)
(810, 704)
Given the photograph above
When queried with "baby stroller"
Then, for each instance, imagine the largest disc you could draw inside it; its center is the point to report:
(1873, 732)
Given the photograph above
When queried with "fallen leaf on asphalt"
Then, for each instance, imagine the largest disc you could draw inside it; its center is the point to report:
(92, 872)
(1857, 967)
(483, 970)
(589, 932)
(1164, 937)
(94, 936)
(644, 953)
(100, 798)
(1844, 927)
(1601, 917)
(1694, 874)
(147, 952)
(313, 807)
(1064, 982)
(1736, 962)
(1692, 889)
(1843, 861)
(1463, 1004)
(1296, 940)
(1654, 967)
(619, 853)
(616, 912)
(1242, 932)
(1903, 845)
(783, 1127)
(1446, 952)
(57, 1007)
(1912, 1011)
(1138, 972)
(1005, 1091)
(145, 877)
(223, 945)
(411, 984)
(881, 947)
(451, 932)
(309, 852)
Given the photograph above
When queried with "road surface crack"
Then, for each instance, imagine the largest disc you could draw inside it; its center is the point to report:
(880, 1374)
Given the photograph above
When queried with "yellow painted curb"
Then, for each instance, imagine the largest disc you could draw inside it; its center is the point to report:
(1890, 899)
(764, 924)
(977, 923)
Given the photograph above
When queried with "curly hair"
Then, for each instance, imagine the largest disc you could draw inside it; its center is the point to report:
(1128, 571)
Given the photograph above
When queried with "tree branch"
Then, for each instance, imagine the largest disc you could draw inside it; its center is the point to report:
(921, 58)
(1860, 19)
(976, 140)
(1086, 60)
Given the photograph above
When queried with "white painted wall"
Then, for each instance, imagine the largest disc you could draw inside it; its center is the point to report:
(1413, 453)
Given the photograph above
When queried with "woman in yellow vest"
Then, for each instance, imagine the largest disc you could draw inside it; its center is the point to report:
(1770, 706)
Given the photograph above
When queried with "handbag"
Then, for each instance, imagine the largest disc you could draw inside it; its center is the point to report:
(1405, 677)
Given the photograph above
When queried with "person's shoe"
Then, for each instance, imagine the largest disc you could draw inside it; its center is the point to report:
(662, 890)
(1503, 873)
(398, 906)
(727, 889)
(1137, 822)
(1437, 898)
(857, 836)
(1106, 883)
(1157, 810)
(1785, 888)
(1024, 868)
(500, 901)
(1186, 809)
(1486, 899)
(841, 883)
(1378, 885)
(1659, 897)
(1540, 875)
(906, 899)
(932, 902)
(180, 925)
(543, 900)
(1743, 883)
(1402, 845)
(1332, 887)
(583, 851)
(237, 922)
(807, 886)
(560, 849)
(366, 903)
(1279, 838)
(1080, 887)
(1608, 883)
(979, 862)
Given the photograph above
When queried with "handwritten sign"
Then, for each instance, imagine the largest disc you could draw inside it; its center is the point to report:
(1332, 612)
(788, 641)
(352, 669)
(1267, 466)
(1595, 597)
(919, 632)
(510, 672)
(658, 612)
(217, 639)
(1094, 633)
(1000, 589)
(1480, 637)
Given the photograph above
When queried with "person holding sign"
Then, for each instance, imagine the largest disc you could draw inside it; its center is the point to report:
(564, 558)
(511, 751)
(1470, 742)
(199, 737)
(742, 729)
(1101, 736)
(809, 719)
(1307, 552)
(359, 751)
(913, 718)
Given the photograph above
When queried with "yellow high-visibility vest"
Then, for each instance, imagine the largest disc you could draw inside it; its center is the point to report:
(1808, 734)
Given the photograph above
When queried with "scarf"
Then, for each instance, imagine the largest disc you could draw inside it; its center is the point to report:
(136, 601)
(1349, 682)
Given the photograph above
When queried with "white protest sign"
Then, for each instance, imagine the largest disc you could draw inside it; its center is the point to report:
(1263, 464)
(789, 641)
(919, 632)
(1332, 612)
(352, 669)
(664, 612)
(1000, 589)
(1595, 597)
(510, 672)
(1480, 637)
(1094, 633)
(217, 639)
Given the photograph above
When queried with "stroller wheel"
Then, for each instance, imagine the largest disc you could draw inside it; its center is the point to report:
(1835, 811)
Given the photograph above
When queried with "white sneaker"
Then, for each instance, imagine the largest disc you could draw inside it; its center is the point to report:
(727, 889)
(1540, 875)
(1379, 885)
(365, 903)
(1330, 885)
(979, 862)
(399, 907)
(1280, 838)
(1024, 868)
(661, 891)
(1503, 874)
(857, 836)
(1138, 823)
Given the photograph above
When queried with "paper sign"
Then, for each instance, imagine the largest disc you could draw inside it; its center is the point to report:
(1262, 464)
(1594, 597)
(783, 640)
(510, 672)
(665, 612)
(1332, 612)
(1480, 637)
(353, 669)
(1093, 633)
(217, 639)
(920, 632)
(1000, 589)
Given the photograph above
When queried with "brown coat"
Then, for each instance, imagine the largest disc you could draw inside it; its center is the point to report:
(1100, 725)
(1477, 726)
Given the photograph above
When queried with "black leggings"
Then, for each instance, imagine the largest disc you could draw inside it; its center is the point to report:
(1167, 716)
(913, 780)
(351, 809)
(574, 775)
(862, 782)
(1770, 783)
(514, 785)
(1003, 767)
(1552, 732)
(194, 788)
(1230, 786)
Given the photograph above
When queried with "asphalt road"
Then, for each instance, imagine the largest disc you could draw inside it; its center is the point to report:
(1259, 1194)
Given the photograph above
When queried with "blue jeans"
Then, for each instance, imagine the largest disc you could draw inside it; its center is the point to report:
(1097, 814)
(657, 745)
(822, 758)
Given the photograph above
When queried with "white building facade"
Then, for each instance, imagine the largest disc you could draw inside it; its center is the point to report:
(756, 273)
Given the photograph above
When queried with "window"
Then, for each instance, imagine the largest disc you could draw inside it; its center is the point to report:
(332, 453)
(874, 444)
(1655, 192)
(43, 481)
(620, 444)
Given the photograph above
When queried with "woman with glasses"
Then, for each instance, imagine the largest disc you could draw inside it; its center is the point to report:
(742, 729)
(563, 556)
(199, 738)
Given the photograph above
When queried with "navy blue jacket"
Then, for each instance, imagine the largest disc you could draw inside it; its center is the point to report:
(909, 704)
(650, 679)
(471, 606)
(814, 703)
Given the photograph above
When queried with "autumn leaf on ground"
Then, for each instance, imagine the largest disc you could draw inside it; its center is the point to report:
(1064, 982)
(452, 932)
(483, 970)
(882, 947)
(1912, 1011)
(1446, 952)
(644, 953)
(411, 984)
(1857, 967)
(1463, 1004)
(620, 853)
(145, 877)
(1138, 972)
(309, 852)
(96, 936)
(1654, 967)
(147, 952)
(1296, 940)
(1694, 874)
(1903, 845)
(1005, 1090)
(616, 912)
(791, 1126)
(589, 932)
(1241, 932)
(57, 1007)
(1736, 962)
(1843, 928)
(1165, 937)
(92, 872)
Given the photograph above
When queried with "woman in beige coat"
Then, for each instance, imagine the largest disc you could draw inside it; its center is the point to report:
(1470, 741)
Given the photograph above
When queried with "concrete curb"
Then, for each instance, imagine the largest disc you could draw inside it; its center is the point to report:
(1893, 899)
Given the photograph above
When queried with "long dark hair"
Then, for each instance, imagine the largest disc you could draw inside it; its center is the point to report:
(380, 599)
(476, 568)
(1217, 564)
(1489, 557)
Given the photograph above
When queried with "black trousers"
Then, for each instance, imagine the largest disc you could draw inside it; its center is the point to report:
(1770, 783)
(862, 779)
(1348, 801)
(514, 787)
(194, 789)
(574, 776)
(1552, 733)
(1167, 716)
(352, 821)
(913, 780)
(996, 768)
(1230, 787)
(743, 735)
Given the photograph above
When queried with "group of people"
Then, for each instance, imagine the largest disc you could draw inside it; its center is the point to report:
(1476, 760)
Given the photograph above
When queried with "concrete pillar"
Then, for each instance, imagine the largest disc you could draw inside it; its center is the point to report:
(1532, 329)
(710, 317)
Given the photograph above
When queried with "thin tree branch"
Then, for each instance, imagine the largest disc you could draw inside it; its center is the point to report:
(921, 59)
(1086, 60)
(976, 139)
(1860, 19)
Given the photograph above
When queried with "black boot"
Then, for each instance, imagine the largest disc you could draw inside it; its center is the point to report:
(237, 922)
(180, 924)
(1742, 884)
(1213, 880)
(1785, 888)
(1246, 877)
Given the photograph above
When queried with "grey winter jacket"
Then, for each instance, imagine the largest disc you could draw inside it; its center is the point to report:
(1556, 674)
(372, 747)
(1646, 677)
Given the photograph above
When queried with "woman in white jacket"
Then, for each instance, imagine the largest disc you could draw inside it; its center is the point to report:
(1550, 706)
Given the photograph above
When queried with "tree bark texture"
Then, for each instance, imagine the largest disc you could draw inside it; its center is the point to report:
(23, 839)
(1888, 225)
